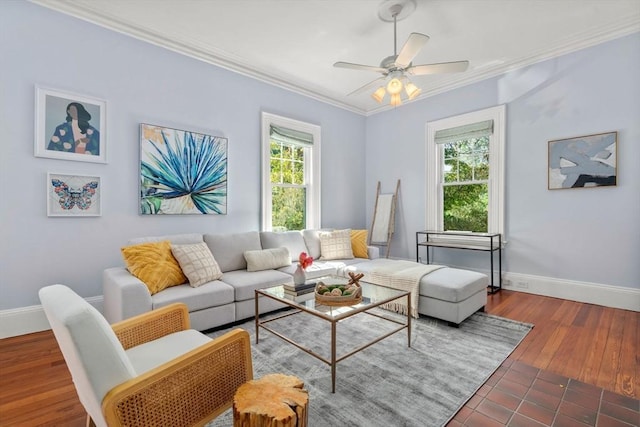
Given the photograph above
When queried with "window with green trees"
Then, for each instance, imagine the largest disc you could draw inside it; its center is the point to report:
(465, 186)
(465, 172)
(288, 188)
(290, 174)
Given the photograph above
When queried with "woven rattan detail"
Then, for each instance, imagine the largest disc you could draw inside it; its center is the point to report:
(155, 324)
(191, 390)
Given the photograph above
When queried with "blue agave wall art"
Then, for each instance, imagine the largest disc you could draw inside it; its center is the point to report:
(182, 172)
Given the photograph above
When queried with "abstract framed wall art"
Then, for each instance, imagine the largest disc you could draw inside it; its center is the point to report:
(73, 195)
(182, 172)
(70, 126)
(583, 161)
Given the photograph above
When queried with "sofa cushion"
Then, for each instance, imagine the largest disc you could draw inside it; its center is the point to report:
(210, 294)
(245, 283)
(229, 249)
(453, 284)
(197, 263)
(314, 271)
(359, 243)
(154, 264)
(312, 241)
(291, 240)
(335, 244)
(267, 259)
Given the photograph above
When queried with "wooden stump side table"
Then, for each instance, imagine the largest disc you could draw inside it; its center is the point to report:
(275, 400)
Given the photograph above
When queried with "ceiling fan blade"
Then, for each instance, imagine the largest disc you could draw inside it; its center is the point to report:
(410, 49)
(369, 85)
(443, 67)
(341, 64)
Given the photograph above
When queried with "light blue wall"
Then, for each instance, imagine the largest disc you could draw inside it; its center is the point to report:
(141, 83)
(587, 235)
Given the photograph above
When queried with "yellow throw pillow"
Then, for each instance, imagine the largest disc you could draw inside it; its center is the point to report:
(359, 243)
(154, 264)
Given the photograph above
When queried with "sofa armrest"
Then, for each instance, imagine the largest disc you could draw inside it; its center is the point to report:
(189, 390)
(374, 252)
(124, 295)
(152, 325)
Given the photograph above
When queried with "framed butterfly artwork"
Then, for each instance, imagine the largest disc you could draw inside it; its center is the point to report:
(73, 195)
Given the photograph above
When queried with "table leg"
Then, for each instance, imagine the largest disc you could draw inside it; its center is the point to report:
(409, 320)
(493, 288)
(257, 315)
(333, 356)
(500, 260)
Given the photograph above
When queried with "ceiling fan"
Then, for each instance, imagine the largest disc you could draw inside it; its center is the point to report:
(397, 68)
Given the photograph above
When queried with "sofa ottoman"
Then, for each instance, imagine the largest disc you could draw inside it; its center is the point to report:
(449, 294)
(452, 294)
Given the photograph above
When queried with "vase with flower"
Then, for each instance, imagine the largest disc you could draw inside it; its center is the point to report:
(304, 261)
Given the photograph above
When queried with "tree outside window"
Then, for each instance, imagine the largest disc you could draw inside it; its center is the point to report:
(290, 174)
(465, 185)
(288, 189)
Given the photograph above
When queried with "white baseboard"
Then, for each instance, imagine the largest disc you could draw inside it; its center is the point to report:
(591, 293)
(26, 320)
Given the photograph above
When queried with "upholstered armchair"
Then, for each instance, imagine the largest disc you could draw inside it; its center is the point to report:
(151, 369)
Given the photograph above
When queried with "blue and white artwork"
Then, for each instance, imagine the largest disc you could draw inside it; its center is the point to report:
(584, 161)
(182, 172)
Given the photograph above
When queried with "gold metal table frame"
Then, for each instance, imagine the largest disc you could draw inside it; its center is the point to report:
(333, 315)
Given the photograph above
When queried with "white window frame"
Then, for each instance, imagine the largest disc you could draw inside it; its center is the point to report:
(311, 168)
(435, 166)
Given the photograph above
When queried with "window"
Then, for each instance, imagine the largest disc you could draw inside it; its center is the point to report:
(465, 172)
(290, 174)
(465, 189)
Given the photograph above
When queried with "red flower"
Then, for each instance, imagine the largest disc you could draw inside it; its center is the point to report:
(304, 260)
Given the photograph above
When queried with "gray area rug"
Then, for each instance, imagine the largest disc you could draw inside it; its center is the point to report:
(387, 384)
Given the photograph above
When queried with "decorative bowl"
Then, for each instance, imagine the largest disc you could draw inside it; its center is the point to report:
(338, 294)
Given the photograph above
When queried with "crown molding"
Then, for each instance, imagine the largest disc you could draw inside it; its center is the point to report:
(594, 36)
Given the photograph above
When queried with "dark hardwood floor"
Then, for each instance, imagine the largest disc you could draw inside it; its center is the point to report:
(593, 344)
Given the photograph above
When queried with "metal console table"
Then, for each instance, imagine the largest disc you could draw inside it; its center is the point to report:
(488, 242)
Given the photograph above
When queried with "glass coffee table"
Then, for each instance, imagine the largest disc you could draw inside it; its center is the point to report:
(333, 315)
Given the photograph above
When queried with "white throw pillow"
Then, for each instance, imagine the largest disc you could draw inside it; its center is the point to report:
(267, 259)
(335, 244)
(197, 263)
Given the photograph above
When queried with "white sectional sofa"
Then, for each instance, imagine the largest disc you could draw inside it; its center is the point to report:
(223, 301)
(231, 298)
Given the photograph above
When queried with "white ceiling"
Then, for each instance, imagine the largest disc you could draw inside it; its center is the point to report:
(294, 43)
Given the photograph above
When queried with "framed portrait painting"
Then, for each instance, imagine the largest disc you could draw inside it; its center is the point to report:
(73, 195)
(70, 126)
(182, 172)
(583, 161)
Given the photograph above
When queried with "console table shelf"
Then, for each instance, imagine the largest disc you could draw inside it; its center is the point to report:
(487, 242)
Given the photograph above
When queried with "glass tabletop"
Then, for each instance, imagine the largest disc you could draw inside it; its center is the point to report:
(371, 295)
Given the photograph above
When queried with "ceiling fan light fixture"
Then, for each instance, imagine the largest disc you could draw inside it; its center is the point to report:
(394, 86)
(395, 100)
(379, 94)
(397, 68)
(412, 90)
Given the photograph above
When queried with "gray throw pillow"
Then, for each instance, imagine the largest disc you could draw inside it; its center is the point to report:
(267, 259)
